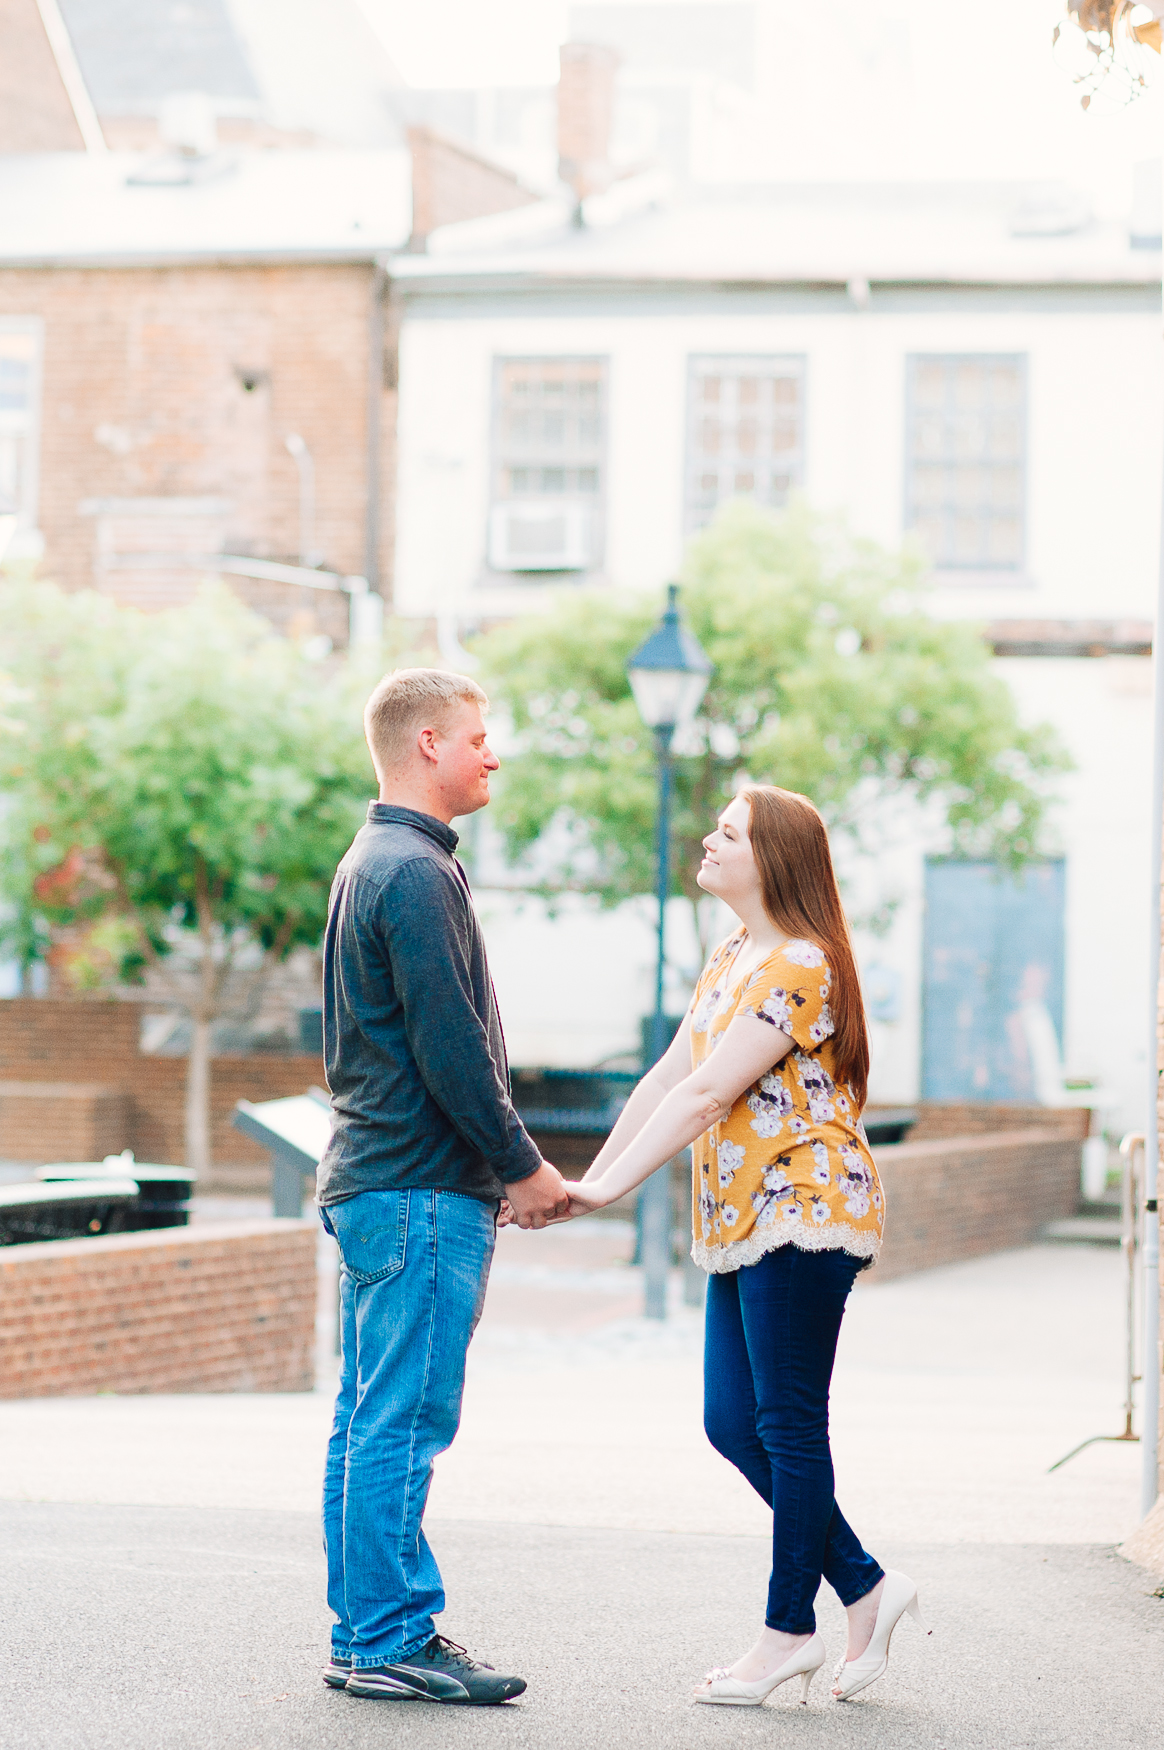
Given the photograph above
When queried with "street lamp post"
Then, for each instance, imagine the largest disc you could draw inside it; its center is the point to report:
(668, 676)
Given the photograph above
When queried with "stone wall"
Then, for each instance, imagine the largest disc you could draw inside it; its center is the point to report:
(228, 1307)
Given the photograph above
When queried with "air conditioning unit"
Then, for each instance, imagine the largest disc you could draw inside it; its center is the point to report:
(547, 534)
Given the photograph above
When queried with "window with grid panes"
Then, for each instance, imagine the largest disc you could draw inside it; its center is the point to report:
(965, 458)
(551, 426)
(745, 432)
(18, 372)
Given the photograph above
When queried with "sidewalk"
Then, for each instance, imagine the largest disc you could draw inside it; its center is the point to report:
(162, 1554)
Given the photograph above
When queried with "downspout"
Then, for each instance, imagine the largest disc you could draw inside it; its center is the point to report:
(1150, 1359)
(376, 326)
(72, 77)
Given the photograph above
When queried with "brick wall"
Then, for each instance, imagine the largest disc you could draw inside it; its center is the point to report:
(451, 182)
(979, 1117)
(145, 397)
(47, 1040)
(960, 1197)
(62, 1121)
(226, 1308)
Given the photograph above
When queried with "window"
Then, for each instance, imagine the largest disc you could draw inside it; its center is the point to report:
(745, 432)
(551, 427)
(19, 399)
(19, 416)
(550, 461)
(965, 444)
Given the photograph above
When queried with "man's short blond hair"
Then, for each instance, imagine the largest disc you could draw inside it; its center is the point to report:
(409, 700)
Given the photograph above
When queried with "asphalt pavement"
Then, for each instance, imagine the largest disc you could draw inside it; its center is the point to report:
(163, 1628)
(161, 1580)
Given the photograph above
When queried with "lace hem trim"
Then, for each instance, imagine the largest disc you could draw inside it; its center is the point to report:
(718, 1260)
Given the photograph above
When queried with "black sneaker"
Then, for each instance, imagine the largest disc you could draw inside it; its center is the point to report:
(441, 1671)
(337, 1671)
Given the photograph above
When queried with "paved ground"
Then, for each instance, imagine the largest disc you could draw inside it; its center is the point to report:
(161, 1577)
(954, 1392)
(137, 1628)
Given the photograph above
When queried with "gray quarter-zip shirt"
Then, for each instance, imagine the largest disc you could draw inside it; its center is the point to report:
(413, 1047)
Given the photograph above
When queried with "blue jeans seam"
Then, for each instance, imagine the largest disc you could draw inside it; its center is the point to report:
(864, 1589)
(393, 1659)
(422, 1396)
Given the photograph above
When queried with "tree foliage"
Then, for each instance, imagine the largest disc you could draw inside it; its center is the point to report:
(179, 789)
(830, 678)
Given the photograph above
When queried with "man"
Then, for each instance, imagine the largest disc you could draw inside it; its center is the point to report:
(425, 1146)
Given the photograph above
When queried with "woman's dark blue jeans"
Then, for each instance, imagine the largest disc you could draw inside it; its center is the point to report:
(771, 1337)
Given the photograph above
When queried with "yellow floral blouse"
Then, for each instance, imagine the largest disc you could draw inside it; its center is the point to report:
(790, 1164)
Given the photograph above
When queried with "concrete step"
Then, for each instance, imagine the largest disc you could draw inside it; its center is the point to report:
(1096, 1230)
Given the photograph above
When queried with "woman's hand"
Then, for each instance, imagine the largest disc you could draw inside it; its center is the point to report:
(585, 1198)
(587, 1195)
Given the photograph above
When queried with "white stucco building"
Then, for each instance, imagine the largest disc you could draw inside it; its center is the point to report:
(978, 366)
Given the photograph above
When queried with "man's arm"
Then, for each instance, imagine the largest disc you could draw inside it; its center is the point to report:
(423, 919)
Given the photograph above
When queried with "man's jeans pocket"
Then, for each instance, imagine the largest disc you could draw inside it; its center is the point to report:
(371, 1230)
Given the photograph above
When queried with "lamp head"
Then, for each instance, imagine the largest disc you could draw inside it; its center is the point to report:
(669, 671)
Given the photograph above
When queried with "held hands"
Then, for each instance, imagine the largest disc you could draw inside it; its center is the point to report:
(528, 1203)
(535, 1201)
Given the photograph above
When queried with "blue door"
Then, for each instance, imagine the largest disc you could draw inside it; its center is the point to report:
(993, 941)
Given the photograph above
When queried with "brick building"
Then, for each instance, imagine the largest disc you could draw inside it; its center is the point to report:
(197, 363)
(159, 345)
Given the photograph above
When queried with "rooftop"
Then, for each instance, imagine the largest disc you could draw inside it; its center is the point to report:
(828, 233)
(108, 209)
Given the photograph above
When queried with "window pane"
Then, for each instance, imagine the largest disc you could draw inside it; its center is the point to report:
(11, 473)
(745, 431)
(17, 419)
(550, 427)
(964, 466)
(15, 383)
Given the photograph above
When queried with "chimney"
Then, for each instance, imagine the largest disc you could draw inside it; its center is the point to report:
(585, 112)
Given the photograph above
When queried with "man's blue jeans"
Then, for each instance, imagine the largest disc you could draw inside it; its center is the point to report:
(415, 1265)
(771, 1336)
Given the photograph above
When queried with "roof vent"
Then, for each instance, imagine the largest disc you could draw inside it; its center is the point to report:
(188, 126)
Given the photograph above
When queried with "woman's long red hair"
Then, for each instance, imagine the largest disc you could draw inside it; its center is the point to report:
(799, 889)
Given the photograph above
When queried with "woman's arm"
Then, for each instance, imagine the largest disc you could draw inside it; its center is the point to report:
(653, 1087)
(748, 1049)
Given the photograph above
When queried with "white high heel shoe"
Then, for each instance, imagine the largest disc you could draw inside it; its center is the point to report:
(727, 1691)
(898, 1596)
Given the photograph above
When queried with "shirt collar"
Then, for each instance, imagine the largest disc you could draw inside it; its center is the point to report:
(388, 813)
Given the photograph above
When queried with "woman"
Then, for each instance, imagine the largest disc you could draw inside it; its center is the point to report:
(767, 1077)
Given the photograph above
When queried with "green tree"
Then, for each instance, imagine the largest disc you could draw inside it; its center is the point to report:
(179, 789)
(830, 678)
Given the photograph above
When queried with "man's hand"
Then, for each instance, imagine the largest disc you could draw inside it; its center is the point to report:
(536, 1200)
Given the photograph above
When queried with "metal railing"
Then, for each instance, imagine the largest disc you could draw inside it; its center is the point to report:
(1131, 1214)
